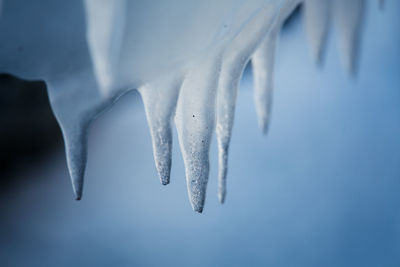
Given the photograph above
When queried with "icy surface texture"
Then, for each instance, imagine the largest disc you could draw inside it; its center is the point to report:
(160, 99)
(186, 59)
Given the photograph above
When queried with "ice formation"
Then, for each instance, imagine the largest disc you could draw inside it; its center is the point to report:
(348, 17)
(317, 16)
(185, 58)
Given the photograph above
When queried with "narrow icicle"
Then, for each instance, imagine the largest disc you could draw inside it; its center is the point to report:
(263, 61)
(159, 99)
(234, 62)
(263, 74)
(227, 92)
(75, 139)
(195, 119)
(348, 16)
(317, 22)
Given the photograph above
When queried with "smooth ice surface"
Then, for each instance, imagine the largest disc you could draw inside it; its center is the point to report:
(321, 190)
(263, 61)
(105, 22)
(317, 18)
(262, 64)
(348, 17)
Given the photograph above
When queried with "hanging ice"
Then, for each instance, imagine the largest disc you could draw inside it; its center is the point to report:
(194, 120)
(317, 15)
(186, 59)
(234, 61)
(159, 99)
(348, 17)
(263, 66)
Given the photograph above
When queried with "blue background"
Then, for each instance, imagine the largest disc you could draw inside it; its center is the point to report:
(322, 189)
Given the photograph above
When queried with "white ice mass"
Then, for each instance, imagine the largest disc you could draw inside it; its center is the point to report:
(185, 58)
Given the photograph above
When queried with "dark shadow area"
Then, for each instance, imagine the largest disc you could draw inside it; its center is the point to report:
(28, 129)
(291, 21)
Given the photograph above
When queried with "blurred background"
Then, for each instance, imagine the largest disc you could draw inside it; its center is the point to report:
(321, 189)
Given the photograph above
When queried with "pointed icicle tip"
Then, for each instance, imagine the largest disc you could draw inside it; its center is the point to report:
(159, 99)
(75, 139)
(198, 210)
(348, 17)
(233, 64)
(263, 61)
(77, 178)
(228, 86)
(264, 126)
(317, 23)
(223, 169)
(222, 196)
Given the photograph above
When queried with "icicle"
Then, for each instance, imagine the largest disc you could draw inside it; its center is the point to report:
(317, 22)
(235, 59)
(75, 138)
(74, 126)
(348, 17)
(160, 99)
(74, 121)
(263, 70)
(195, 118)
(227, 92)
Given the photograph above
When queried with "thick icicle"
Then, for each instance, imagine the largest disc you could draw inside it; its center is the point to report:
(195, 118)
(317, 22)
(235, 59)
(348, 16)
(160, 99)
(74, 121)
